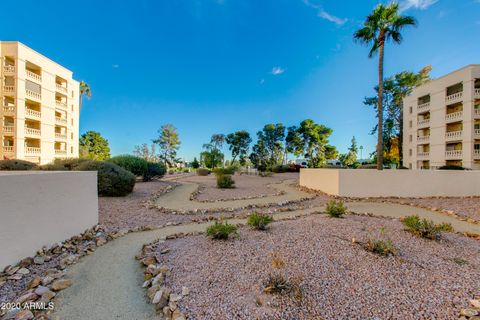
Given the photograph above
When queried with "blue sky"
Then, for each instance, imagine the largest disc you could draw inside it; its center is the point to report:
(216, 66)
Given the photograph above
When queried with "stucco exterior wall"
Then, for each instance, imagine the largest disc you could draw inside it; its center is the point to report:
(42, 208)
(396, 183)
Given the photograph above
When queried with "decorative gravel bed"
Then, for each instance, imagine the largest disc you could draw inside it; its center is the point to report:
(338, 278)
(246, 186)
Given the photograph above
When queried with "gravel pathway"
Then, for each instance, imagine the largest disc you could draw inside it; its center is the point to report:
(338, 279)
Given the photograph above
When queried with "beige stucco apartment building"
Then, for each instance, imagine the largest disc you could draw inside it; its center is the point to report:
(442, 122)
(40, 106)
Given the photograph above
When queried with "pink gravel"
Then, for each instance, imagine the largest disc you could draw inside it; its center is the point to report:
(341, 280)
(246, 186)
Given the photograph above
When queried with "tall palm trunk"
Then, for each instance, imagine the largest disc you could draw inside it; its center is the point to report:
(381, 52)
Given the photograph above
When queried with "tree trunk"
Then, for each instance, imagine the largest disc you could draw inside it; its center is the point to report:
(380, 104)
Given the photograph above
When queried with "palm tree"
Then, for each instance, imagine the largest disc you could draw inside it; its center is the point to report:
(383, 24)
(84, 90)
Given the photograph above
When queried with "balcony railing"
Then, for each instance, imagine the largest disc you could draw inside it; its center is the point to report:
(454, 116)
(477, 93)
(477, 112)
(9, 69)
(60, 152)
(8, 129)
(60, 135)
(476, 132)
(33, 94)
(455, 154)
(454, 97)
(476, 154)
(423, 154)
(60, 104)
(9, 109)
(423, 106)
(61, 88)
(32, 150)
(33, 76)
(423, 138)
(8, 149)
(61, 120)
(423, 122)
(8, 89)
(33, 132)
(453, 135)
(33, 113)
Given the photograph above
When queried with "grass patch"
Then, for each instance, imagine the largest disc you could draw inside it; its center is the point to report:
(425, 228)
(259, 221)
(221, 231)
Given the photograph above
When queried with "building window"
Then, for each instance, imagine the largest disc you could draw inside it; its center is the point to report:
(411, 110)
(72, 121)
(71, 135)
(410, 123)
(410, 152)
(72, 107)
(71, 149)
(411, 138)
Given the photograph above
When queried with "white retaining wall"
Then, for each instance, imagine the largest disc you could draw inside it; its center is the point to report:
(396, 183)
(40, 208)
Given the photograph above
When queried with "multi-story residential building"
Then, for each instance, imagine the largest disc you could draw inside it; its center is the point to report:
(442, 122)
(39, 108)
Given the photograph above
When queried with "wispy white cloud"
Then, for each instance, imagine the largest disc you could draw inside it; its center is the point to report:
(324, 14)
(115, 66)
(417, 4)
(262, 81)
(277, 71)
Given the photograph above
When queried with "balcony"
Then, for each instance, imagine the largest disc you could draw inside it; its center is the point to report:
(9, 89)
(9, 69)
(33, 76)
(60, 120)
(60, 135)
(423, 123)
(61, 104)
(8, 149)
(423, 138)
(477, 93)
(476, 133)
(33, 132)
(477, 112)
(453, 154)
(61, 88)
(33, 94)
(423, 154)
(8, 129)
(423, 107)
(454, 116)
(32, 150)
(33, 113)
(454, 97)
(476, 154)
(453, 135)
(60, 152)
(9, 110)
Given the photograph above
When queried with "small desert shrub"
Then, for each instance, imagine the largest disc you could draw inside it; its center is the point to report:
(203, 172)
(135, 165)
(112, 180)
(425, 228)
(17, 165)
(221, 231)
(277, 284)
(63, 164)
(259, 221)
(336, 209)
(381, 247)
(225, 181)
(154, 170)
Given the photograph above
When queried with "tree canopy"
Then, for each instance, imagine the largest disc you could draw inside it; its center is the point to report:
(94, 146)
(168, 141)
(239, 143)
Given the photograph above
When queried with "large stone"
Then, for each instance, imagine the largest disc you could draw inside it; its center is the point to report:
(40, 290)
(35, 282)
(31, 296)
(185, 291)
(178, 315)
(47, 296)
(10, 315)
(61, 284)
(26, 262)
(47, 280)
(68, 261)
(11, 270)
(39, 260)
(161, 298)
(469, 312)
(475, 303)
(149, 260)
(158, 279)
(23, 271)
(151, 291)
(24, 315)
(175, 297)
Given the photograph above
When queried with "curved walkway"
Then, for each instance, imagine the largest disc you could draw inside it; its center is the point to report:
(107, 284)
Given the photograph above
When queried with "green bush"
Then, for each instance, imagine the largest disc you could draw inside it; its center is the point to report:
(221, 231)
(259, 221)
(381, 247)
(336, 209)
(281, 169)
(450, 167)
(112, 180)
(63, 164)
(17, 165)
(226, 170)
(136, 165)
(425, 228)
(154, 170)
(203, 171)
(225, 181)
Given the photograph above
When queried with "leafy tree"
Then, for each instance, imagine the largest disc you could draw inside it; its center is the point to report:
(169, 141)
(84, 90)
(314, 142)
(331, 152)
(260, 156)
(383, 24)
(195, 164)
(144, 152)
(268, 151)
(350, 159)
(212, 155)
(395, 89)
(239, 143)
(293, 142)
(94, 146)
